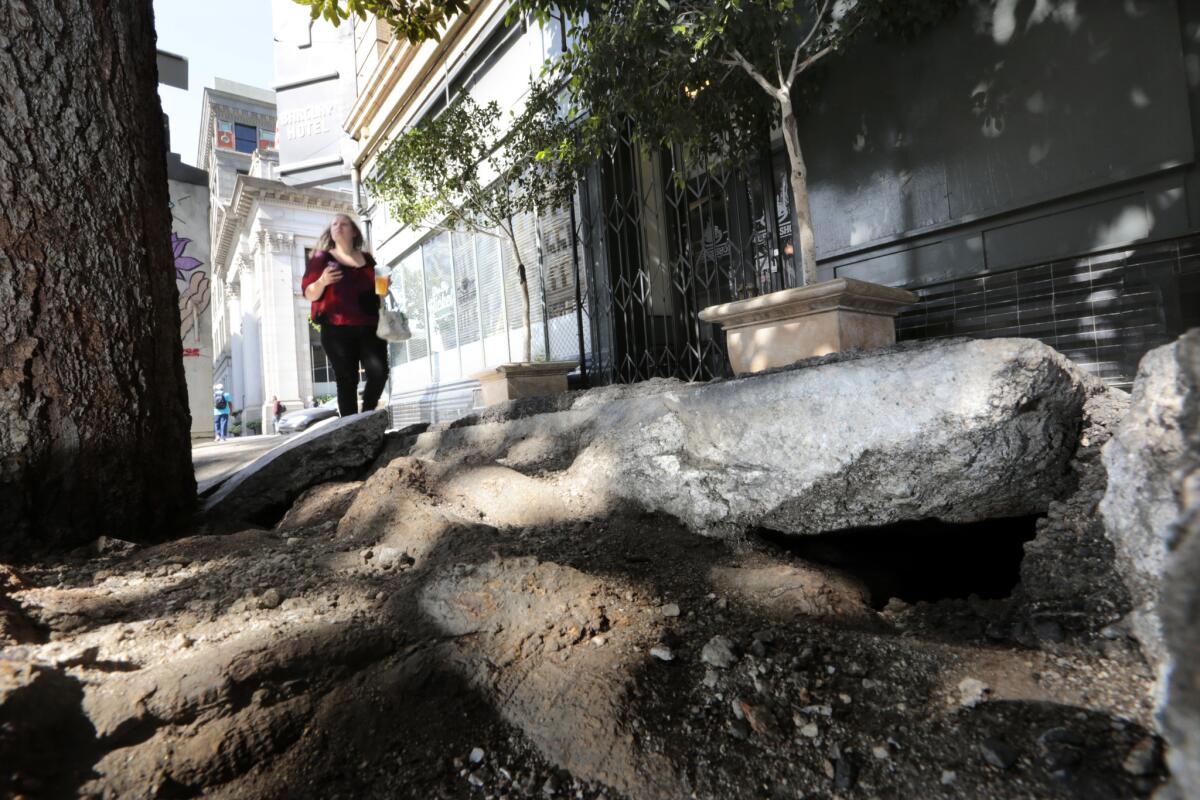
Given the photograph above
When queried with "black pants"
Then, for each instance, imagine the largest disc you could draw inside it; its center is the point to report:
(348, 346)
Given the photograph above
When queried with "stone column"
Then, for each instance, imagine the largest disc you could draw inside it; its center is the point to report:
(233, 329)
(276, 254)
(250, 396)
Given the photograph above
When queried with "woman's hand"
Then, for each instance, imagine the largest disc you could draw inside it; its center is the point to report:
(332, 274)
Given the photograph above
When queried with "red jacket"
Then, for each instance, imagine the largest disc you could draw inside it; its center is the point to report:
(350, 301)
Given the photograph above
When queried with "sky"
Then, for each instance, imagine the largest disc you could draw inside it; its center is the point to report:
(220, 39)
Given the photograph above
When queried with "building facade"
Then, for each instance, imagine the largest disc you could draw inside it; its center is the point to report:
(188, 190)
(461, 290)
(315, 83)
(263, 230)
(1026, 169)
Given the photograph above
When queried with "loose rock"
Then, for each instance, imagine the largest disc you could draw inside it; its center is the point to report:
(719, 652)
(972, 692)
(762, 720)
(662, 653)
(937, 411)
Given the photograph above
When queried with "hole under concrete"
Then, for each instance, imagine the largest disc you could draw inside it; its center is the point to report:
(921, 560)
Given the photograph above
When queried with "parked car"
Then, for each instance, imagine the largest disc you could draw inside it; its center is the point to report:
(302, 418)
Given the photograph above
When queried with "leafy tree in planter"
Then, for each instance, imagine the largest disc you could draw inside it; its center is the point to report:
(711, 75)
(465, 170)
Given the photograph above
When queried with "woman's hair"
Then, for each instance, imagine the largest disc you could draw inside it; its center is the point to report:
(325, 242)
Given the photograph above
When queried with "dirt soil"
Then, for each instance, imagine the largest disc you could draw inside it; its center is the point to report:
(471, 631)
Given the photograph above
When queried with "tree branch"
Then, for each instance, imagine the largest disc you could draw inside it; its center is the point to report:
(814, 58)
(506, 225)
(741, 61)
(800, 47)
(460, 213)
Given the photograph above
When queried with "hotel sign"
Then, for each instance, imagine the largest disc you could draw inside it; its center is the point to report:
(309, 122)
(309, 130)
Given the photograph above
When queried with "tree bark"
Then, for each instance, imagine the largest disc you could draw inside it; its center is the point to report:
(799, 178)
(94, 422)
(527, 326)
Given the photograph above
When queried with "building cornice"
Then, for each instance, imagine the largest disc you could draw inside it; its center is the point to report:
(275, 241)
(376, 113)
(205, 138)
(248, 191)
(392, 66)
(214, 98)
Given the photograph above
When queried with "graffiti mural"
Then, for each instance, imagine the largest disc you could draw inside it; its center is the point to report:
(193, 287)
(190, 279)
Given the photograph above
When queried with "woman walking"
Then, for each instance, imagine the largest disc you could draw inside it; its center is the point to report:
(340, 283)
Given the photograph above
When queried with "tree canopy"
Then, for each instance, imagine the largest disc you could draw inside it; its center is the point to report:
(715, 77)
(415, 20)
(712, 76)
(709, 73)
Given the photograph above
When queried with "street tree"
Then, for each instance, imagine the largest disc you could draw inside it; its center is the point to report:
(95, 426)
(469, 169)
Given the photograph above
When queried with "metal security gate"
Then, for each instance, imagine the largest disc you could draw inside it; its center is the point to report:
(617, 284)
(662, 238)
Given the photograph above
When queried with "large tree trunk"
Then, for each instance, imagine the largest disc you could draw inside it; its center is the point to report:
(93, 409)
(799, 179)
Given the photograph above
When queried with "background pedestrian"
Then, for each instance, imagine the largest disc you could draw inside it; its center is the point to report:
(222, 406)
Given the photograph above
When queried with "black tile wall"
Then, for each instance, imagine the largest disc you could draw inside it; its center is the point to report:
(1103, 311)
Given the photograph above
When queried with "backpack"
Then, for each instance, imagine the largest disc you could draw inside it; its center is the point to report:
(219, 402)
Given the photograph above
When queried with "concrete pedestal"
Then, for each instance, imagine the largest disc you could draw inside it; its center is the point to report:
(511, 381)
(781, 328)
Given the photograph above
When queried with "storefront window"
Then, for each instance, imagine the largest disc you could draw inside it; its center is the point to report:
(491, 300)
(466, 303)
(322, 371)
(466, 295)
(413, 293)
(439, 297)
